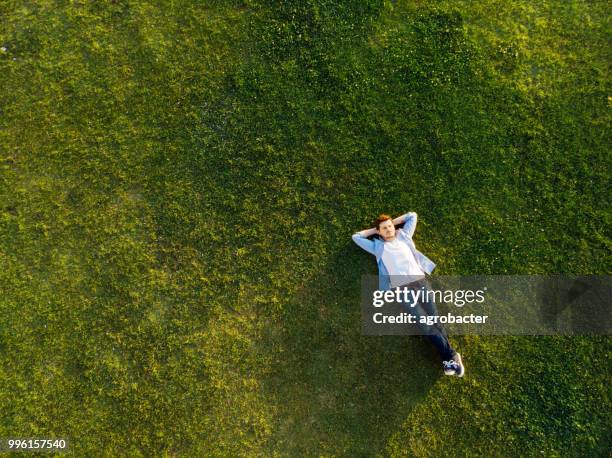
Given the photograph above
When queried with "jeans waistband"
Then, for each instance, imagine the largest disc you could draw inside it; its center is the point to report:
(415, 283)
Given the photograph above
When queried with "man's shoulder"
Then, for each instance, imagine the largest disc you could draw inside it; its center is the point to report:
(404, 237)
(376, 239)
(379, 244)
(402, 234)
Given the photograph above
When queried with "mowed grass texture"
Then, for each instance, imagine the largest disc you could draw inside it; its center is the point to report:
(179, 183)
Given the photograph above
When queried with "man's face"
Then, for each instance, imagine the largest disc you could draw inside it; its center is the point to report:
(387, 230)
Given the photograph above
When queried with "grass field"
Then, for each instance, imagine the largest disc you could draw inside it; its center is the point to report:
(179, 184)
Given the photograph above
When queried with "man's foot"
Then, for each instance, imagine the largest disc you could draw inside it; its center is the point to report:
(454, 366)
(459, 363)
(450, 367)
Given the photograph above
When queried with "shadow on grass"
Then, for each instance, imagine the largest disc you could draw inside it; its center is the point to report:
(335, 390)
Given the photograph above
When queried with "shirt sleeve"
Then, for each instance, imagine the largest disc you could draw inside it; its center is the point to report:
(409, 225)
(364, 242)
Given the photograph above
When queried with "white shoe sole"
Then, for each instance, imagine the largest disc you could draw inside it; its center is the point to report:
(462, 365)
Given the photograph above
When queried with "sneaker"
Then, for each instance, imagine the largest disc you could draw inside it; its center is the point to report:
(460, 370)
(450, 367)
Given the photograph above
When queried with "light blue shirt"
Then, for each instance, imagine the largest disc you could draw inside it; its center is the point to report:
(376, 247)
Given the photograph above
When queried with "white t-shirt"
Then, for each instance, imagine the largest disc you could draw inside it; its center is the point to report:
(399, 261)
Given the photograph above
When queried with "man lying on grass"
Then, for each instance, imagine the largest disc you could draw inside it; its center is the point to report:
(400, 264)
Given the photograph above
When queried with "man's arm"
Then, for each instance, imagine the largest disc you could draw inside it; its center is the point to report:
(410, 220)
(361, 239)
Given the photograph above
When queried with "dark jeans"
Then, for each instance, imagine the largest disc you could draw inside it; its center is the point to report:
(435, 333)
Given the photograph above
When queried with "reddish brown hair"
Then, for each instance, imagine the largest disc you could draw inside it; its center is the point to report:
(381, 219)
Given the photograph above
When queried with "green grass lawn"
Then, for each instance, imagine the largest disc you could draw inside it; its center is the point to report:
(179, 184)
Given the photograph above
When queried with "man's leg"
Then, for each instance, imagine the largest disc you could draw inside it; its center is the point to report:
(435, 333)
(437, 336)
